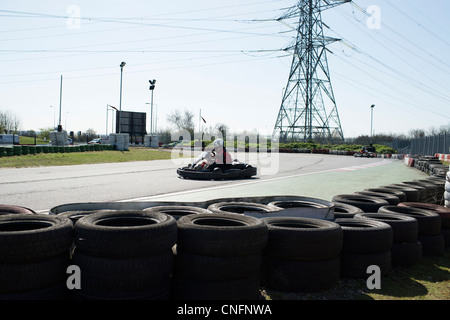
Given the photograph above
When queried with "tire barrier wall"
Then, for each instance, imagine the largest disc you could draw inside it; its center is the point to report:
(18, 150)
(301, 255)
(305, 206)
(191, 262)
(34, 255)
(124, 255)
(447, 190)
(218, 257)
(366, 242)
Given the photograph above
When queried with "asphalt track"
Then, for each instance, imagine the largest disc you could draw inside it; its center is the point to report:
(310, 175)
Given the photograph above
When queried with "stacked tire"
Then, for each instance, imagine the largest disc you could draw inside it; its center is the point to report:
(442, 211)
(429, 227)
(364, 202)
(124, 255)
(343, 210)
(366, 242)
(178, 211)
(241, 207)
(406, 250)
(218, 257)
(412, 194)
(34, 256)
(398, 193)
(302, 254)
(13, 209)
(447, 190)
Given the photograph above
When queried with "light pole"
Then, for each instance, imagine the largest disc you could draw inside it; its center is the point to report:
(120, 104)
(371, 122)
(112, 117)
(60, 104)
(152, 87)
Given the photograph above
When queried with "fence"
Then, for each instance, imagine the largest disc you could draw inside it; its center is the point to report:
(425, 146)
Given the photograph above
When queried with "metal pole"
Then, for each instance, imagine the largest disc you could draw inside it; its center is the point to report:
(151, 115)
(371, 122)
(106, 119)
(60, 103)
(120, 103)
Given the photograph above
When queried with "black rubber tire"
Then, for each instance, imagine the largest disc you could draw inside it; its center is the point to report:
(240, 207)
(211, 268)
(121, 275)
(432, 245)
(31, 276)
(178, 211)
(365, 236)
(77, 215)
(446, 234)
(429, 222)
(422, 190)
(365, 203)
(343, 210)
(191, 289)
(224, 234)
(33, 237)
(406, 254)
(355, 265)
(300, 276)
(11, 209)
(391, 199)
(125, 234)
(400, 194)
(442, 211)
(412, 195)
(405, 228)
(295, 238)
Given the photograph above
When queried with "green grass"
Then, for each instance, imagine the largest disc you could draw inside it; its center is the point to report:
(30, 140)
(427, 280)
(77, 158)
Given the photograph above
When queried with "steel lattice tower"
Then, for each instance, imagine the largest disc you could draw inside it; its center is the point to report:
(308, 110)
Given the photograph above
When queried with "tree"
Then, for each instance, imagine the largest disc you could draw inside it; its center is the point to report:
(182, 120)
(45, 133)
(9, 122)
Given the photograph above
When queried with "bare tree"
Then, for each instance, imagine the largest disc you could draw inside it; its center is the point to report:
(182, 120)
(9, 122)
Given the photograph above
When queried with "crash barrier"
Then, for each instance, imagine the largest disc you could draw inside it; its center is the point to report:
(18, 150)
(125, 255)
(217, 255)
(430, 165)
(443, 157)
(447, 190)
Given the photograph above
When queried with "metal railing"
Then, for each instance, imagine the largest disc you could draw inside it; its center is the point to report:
(425, 146)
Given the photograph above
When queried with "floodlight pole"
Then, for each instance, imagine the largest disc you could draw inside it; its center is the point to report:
(371, 122)
(60, 103)
(152, 87)
(120, 103)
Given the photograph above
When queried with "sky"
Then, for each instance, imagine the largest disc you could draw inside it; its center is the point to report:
(225, 60)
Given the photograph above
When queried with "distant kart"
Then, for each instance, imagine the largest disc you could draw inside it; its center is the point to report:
(365, 154)
(235, 170)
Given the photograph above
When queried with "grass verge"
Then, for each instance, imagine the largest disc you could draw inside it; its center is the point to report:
(77, 158)
(427, 280)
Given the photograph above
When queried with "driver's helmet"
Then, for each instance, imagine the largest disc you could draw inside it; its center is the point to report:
(218, 143)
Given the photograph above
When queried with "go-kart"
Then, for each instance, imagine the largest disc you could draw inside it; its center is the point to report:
(365, 154)
(234, 170)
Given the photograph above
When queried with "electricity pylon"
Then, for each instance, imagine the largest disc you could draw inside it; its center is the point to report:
(308, 109)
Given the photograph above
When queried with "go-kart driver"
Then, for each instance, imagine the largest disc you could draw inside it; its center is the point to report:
(218, 158)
